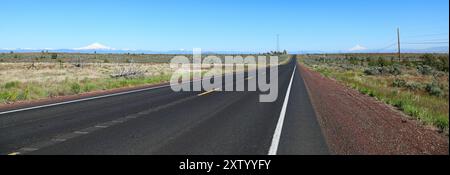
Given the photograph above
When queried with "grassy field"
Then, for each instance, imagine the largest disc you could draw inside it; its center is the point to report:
(28, 76)
(96, 58)
(416, 84)
(20, 81)
(86, 58)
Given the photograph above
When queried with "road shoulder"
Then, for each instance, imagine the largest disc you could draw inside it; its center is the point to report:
(354, 123)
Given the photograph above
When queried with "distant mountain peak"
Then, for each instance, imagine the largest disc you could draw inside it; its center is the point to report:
(95, 46)
(357, 48)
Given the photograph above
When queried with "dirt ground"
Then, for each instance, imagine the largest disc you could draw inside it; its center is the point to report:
(354, 123)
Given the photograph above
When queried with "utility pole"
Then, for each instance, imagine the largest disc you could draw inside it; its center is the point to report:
(398, 43)
(278, 43)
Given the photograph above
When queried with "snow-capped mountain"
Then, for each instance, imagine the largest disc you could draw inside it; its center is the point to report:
(95, 46)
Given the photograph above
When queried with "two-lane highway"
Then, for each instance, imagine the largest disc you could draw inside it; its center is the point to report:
(160, 121)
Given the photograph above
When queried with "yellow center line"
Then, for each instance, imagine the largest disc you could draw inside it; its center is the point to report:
(14, 153)
(249, 78)
(208, 92)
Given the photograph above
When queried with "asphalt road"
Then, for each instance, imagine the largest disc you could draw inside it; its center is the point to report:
(160, 121)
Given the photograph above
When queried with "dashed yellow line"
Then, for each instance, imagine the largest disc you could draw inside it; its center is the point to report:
(208, 92)
(249, 78)
(14, 154)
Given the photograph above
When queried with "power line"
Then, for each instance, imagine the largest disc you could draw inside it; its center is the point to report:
(428, 43)
(398, 42)
(390, 42)
(423, 41)
(430, 40)
(426, 35)
(386, 47)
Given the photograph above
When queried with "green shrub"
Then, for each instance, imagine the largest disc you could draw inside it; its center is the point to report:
(89, 87)
(12, 84)
(425, 69)
(427, 59)
(444, 63)
(413, 86)
(75, 88)
(4, 95)
(353, 60)
(9, 95)
(347, 67)
(383, 62)
(399, 83)
(366, 91)
(372, 71)
(438, 62)
(54, 56)
(434, 89)
(411, 110)
(372, 62)
(394, 70)
(385, 70)
(441, 122)
(24, 95)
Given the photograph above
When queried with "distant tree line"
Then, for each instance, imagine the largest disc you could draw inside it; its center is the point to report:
(284, 52)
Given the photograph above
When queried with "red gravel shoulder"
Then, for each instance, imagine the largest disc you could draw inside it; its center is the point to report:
(354, 123)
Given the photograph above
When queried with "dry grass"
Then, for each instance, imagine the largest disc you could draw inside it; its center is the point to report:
(21, 81)
(27, 81)
(53, 73)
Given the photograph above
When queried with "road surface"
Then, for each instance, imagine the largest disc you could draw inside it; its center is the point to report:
(160, 121)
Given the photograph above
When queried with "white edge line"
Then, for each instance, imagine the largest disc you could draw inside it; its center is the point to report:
(87, 99)
(276, 136)
(81, 100)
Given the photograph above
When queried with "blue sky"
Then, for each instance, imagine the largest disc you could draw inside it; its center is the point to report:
(327, 25)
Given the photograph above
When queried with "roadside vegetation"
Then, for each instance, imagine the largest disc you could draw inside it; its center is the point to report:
(417, 84)
(32, 76)
(79, 58)
(20, 81)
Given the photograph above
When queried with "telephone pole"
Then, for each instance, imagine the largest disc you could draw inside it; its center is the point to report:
(398, 43)
(278, 43)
